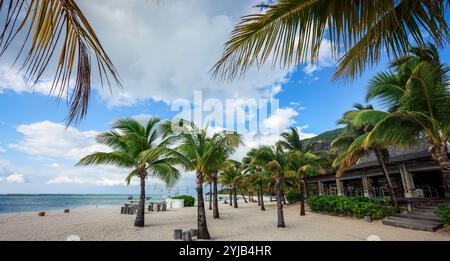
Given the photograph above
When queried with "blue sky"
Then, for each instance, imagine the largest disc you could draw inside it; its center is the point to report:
(163, 53)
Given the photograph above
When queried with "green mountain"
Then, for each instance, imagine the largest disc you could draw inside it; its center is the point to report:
(323, 141)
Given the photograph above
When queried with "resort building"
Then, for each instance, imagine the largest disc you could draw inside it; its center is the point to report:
(415, 176)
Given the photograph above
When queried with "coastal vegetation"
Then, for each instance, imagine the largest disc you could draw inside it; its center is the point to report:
(416, 97)
(141, 150)
(443, 211)
(189, 201)
(351, 206)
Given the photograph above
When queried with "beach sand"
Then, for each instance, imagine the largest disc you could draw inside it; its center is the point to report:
(246, 223)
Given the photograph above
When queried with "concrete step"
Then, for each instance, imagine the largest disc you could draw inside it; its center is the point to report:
(424, 211)
(420, 217)
(426, 207)
(412, 224)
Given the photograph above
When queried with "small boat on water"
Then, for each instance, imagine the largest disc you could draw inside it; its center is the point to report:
(130, 197)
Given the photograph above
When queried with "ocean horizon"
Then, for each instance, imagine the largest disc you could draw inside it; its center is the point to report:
(14, 203)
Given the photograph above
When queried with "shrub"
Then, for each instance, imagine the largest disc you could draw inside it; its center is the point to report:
(443, 211)
(293, 197)
(189, 201)
(351, 206)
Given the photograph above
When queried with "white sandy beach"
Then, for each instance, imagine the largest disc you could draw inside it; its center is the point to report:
(246, 223)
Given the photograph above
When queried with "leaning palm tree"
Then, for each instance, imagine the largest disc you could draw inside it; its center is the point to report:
(56, 29)
(351, 146)
(292, 31)
(275, 160)
(139, 149)
(201, 156)
(417, 97)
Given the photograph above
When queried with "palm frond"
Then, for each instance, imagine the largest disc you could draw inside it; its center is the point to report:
(113, 158)
(291, 32)
(53, 26)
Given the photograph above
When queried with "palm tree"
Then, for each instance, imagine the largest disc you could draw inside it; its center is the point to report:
(220, 163)
(57, 28)
(232, 177)
(201, 155)
(140, 149)
(209, 181)
(274, 160)
(304, 165)
(417, 98)
(259, 176)
(291, 141)
(352, 147)
(292, 31)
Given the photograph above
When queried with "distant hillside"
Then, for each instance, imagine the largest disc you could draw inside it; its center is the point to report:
(323, 141)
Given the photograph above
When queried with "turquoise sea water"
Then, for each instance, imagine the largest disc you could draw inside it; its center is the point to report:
(26, 203)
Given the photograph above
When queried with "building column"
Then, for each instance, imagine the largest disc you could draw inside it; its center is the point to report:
(365, 183)
(340, 187)
(407, 182)
(320, 186)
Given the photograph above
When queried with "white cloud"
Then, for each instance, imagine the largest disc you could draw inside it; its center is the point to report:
(164, 52)
(143, 118)
(325, 58)
(65, 180)
(15, 178)
(12, 80)
(281, 119)
(110, 182)
(53, 140)
(55, 165)
(2, 150)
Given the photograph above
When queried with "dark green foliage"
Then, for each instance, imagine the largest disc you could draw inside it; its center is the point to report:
(293, 197)
(189, 201)
(444, 212)
(328, 136)
(351, 206)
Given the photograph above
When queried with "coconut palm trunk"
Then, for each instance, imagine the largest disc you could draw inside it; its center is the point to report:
(235, 197)
(210, 196)
(392, 196)
(261, 195)
(231, 197)
(283, 197)
(305, 182)
(140, 220)
(215, 200)
(302, 199)
(440, 155)
(201, 219)
(259, 199)
(279, 204)
(245, 199)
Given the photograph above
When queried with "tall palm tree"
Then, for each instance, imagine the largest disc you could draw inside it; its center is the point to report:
(56, 29)
(209, 181)
(275, 161)
(417, 96)
(221, 158)
(232, 177)
(259, 176)
(352, 147)
(291, 141)
(303, 165)
(292, 31)
(140, 149)
(201, 156)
